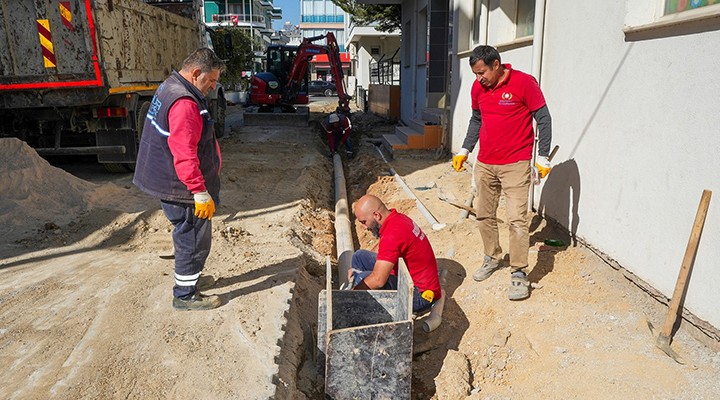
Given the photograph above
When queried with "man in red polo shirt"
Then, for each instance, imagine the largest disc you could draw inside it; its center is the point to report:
(399, 237)
(504, 103)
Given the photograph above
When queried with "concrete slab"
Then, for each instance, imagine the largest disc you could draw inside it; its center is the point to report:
(298, 119)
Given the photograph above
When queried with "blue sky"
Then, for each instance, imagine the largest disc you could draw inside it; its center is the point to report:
(290, 12)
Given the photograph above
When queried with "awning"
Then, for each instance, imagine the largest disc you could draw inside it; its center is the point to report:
(323, 58)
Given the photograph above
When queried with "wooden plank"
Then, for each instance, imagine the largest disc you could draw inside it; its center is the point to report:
(354, 308)
(370, 362)
(405, 293)
(324, 317)
(322, 331)
(328, 292)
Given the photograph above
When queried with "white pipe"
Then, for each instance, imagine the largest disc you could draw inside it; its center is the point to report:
(435, 318)
(436, 226)
(538, 41)
(485, 21)
(343, 229)
(538, 33)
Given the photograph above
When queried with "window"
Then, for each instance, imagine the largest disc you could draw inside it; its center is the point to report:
(525, 18)
(318, 7)
(477, 13)
(676, 6)
(649, 18)
(307, 9)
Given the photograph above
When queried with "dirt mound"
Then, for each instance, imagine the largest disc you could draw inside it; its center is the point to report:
(35, 190)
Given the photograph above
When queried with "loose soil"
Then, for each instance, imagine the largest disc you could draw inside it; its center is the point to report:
(85, 294)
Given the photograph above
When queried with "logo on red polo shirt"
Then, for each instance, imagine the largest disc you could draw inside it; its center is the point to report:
(506, 99)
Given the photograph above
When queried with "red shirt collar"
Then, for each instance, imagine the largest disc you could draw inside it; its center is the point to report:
(393, 212)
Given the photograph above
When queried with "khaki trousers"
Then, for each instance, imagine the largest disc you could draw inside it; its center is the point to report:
(514, 181)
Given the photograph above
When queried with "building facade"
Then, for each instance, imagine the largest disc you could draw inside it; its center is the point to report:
(318, 17)
(374, 55)
(254, 15)
(631, 90)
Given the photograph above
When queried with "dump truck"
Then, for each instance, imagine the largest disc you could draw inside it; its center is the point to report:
(77, 77)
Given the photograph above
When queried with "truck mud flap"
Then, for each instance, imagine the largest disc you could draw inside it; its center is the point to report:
(114, 138)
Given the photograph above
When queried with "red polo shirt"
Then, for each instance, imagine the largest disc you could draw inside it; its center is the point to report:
(506, 133)
(400, 236)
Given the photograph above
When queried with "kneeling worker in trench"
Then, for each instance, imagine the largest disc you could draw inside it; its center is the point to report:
(399, 236)
(338, 129)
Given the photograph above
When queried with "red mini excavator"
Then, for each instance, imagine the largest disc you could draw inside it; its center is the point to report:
(285, 82)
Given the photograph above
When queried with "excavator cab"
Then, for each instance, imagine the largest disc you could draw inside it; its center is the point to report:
(268, 88)
(286, 80)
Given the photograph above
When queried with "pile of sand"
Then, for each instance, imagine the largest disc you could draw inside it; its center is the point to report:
(33, 191)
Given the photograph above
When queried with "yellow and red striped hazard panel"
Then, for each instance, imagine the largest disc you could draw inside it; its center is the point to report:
(48, 51)
(43, 25)
(66, 15)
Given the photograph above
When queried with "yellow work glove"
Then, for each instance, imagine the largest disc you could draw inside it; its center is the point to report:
(459, 159)
(428, 295)
(543, 166)
(204, 205)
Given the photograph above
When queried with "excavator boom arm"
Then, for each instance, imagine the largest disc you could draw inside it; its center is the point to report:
(306, 51)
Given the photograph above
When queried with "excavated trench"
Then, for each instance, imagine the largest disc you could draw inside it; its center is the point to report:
(327, 211)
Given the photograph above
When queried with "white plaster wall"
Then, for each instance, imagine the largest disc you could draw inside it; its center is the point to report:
(408, 53)
(463, 78)
(637, 123)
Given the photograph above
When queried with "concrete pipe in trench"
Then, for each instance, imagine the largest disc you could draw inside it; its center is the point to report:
(343, 228)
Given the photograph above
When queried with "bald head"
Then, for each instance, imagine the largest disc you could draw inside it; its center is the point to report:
(370, 211)
(369, 203)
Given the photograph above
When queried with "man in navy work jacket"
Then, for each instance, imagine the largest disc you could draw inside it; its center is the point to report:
(179, 163)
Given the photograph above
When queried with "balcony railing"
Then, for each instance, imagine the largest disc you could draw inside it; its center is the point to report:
(385, 71)
(232, 19)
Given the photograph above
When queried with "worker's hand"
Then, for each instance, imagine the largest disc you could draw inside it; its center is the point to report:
(350, 276)
(459, 159)
(543, 166)
(204, 205)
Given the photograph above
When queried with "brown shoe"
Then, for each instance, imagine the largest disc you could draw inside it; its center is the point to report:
(519, 286)
(205, 282)
(196, 301)
(488, 266)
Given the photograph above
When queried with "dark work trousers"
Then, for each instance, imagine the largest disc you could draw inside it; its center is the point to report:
(363, 262)
(335, 139)
(192, 238)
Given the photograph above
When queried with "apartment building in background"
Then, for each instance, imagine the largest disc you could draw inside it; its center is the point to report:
(318, 17)
(254, 15)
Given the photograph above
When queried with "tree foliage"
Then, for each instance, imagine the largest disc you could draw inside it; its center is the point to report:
(388, 17)
(238, 57)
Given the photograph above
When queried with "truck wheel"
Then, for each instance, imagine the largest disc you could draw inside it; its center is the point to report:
(118, 168)
(141, 114)
(220, 122)
(217, 112)
(328, 92)
(140, 122)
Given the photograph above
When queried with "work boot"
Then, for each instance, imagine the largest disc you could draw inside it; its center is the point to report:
(205, 282)
(349, 154)
(196, 301)
(519, 286)
(489, 266)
